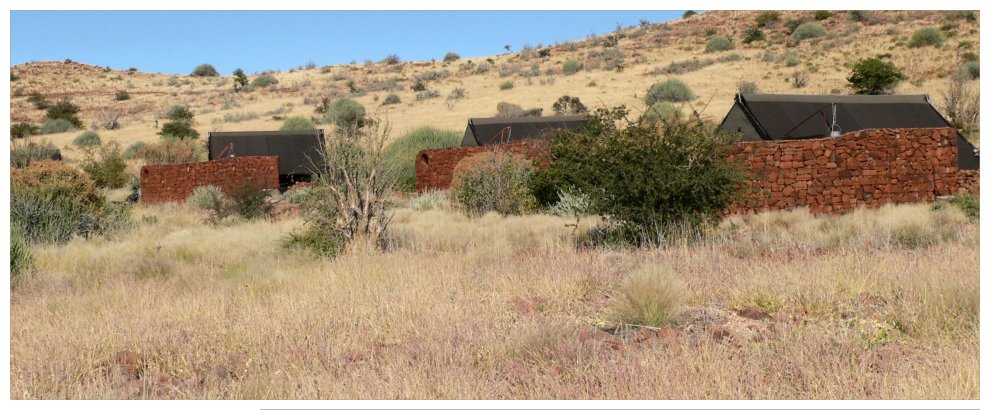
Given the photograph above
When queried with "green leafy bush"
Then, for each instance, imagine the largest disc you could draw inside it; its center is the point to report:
(65, 109)
(753, 34)
(23, 154)
(451, 56)
(567, 105)
(240, 80)
(767, 19)
(572, 67)
(823, 15)
(23, 129)
(391, 99)
(874, 76)
(122, 95)
(643, 177)
(20, 256)
(345, 113)
(55, 126)
(402, 152)
(263, 81)
(211, 199)
(718, 43)
(39, 101)
(251, 200)
(747, 87)
(53, 202)
(809, 30)
(495, 180)
(391, 59)
(661, 111)
(106, 166)
(650, 296)
(134, 150)
(672, 90)
(180, 125)
(688, 13)
(205, 70)
(925, 37)
(972, 69)
(969, 204)
(298, 124)
(87, 139)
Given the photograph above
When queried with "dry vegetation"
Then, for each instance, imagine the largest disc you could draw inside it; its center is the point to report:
(877, 304)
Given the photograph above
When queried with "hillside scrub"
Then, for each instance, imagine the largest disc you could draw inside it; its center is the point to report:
(22, 154)
(809, 30)
(924, 37)
(672, 90)
(298, 124)
(493, 181)
(106, 166)
(718, 43)
(402, 152)
(87, 139)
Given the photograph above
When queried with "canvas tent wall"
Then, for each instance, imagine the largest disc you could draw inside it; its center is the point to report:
(297, 151)
(486, 131)
(786, 117)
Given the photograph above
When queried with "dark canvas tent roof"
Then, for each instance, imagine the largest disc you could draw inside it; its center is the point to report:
(485, 131)
(297, 151)
(785, 117)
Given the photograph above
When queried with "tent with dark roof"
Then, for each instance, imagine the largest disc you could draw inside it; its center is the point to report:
(486, 131)
(788, 117)
(298, 152)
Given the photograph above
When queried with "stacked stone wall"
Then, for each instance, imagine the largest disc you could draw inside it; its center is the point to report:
(174, 182)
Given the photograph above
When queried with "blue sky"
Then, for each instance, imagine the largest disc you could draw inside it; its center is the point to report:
(177, 41)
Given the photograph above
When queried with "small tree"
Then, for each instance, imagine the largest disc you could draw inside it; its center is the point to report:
(205, 70)
(753, 34)
(688, 13)
(345, 114)
(106, 166)
(23, 129)
(39, 101)
(240, 80)
(122, 95)
(66, 110)
(451, 56)
(180, 125)
(567, 105)
(873, 76)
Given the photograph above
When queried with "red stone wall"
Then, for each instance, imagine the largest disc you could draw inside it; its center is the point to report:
(174, 182)
(863, 168)
(435, 167)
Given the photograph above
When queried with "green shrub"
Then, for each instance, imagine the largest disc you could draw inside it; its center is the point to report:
(753, 34)
(972, 69)
(506, 85)
(211, 199)
(134, 150)
(321, 242)
(495, 180)
(747, 87)
(793, 24)
(402, 152)
(55, 126)
(106, 166)
(643, 177)
(767, 19)
(298, 124)
(650, 296)
(65, 109)
(391, 99)
(251, 200)
(567, 105)
(790, 59)
(171, 151)
(23, 129)
(873, 76)
(672, 90)
(205, 70)
(39, 101)
(20, 256)
(927, 36)
(240, 80)
(180, 125)
(53, 202)
(87, 139)
(969, 204)
(572, 67)
(718, 43)
(23, 154)
(391, 59)
(122, 95)
(688, 13)
(809, 30)
(263, 81)
(451, 56)
(859, 15)
(661, 111)
(823, 15)
(345, 113)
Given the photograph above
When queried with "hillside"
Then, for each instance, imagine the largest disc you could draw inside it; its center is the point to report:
(613, 72)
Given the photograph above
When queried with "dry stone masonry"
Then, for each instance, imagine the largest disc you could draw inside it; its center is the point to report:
(831, 175)
(174, 182)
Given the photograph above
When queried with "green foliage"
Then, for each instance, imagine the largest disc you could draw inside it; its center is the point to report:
(391, 99)
(180, 125)
(263, 81)
(924, 37)
(240, 80)
(809, 30)
(391, 59)
(205, 70)
(661, 111)
(451, 56)
(793, 24)
(39, 101)
(298, 124)
(650, 296)
(753, 34)
(972, 69)
(822, 15)
(251, 200)
(419, 85)
(718, 43)
(65, 109)
(873, 76)
(87, 139)
(325, 243)
(401, 153)
(23, 154)
(510, 110)
(672, 90)
(134, 150)
(567, 105)
(969, 204)
(643, 177)
(688, 13)
(179, 113)
(53, 202)
(20, 256)
(747, 87)
(495, 180)
(572, 67)
(211, 199)
(122, 95)
(345, 113)
(106, 166)
(859, 16)
(767, 19)
(506, 85)
(23, 129)
(55, 126)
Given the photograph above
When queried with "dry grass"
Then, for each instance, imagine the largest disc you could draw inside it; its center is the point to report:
(493, 307)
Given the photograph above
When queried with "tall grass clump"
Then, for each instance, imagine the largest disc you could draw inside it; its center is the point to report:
(56, 125)
(402, 152)
(20, 255)
(87, 139)
(650, 296)
(263, 81)
(808, 30)
(495, 180)
(672, 90)
(927, 36)
(572, 67)
(22, 154)
(171, 151)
